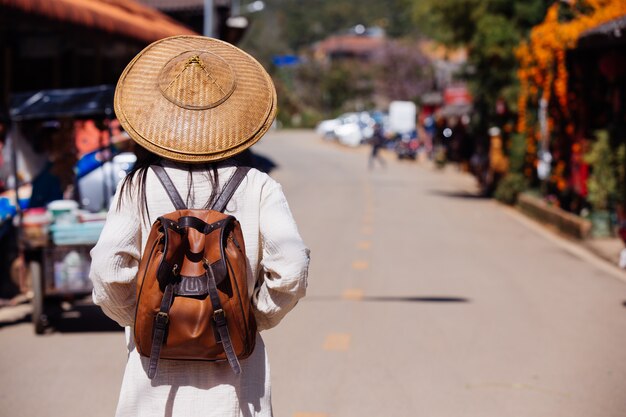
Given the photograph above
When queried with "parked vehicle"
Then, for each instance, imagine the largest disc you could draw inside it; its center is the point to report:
(407, 146)
(402, 117)
(326, 128)
(351, 129)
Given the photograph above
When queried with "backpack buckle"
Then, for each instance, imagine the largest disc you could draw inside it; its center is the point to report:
(219, 316)
(162, 318)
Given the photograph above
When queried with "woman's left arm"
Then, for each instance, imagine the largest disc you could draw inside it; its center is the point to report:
(284, 263)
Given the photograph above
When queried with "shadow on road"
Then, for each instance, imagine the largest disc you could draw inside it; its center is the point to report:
(12, 321)
(82, 318)
(391, 299)
(458, 194)
(417, 299)
(258, 161)
(79, 317)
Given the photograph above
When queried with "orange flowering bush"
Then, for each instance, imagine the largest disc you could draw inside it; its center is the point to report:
(542, 70)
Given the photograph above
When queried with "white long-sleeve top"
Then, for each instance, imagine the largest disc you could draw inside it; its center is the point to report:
(274, 250)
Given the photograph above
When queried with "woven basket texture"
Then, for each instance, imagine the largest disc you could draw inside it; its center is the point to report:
(195, 99)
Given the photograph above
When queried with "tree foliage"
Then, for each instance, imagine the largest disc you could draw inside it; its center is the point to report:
(602, 182)
(490, 30)
(297, 24)
(400, 71)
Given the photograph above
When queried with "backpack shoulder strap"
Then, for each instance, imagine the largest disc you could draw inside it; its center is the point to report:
(230, 188)
(167, 183)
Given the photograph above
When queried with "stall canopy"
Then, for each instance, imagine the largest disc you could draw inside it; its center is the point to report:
(56, 104)
(612, 32)
(123, 17)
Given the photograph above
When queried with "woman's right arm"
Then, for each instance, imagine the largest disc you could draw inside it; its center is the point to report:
(115, 261)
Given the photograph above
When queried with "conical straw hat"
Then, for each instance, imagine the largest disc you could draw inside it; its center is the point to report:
(195, 99)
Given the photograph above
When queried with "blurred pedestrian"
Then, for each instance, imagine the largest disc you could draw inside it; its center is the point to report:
(498, 160)
(378, 142)
(208, 101)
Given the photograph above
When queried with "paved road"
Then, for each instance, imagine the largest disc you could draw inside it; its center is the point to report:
(423, 301)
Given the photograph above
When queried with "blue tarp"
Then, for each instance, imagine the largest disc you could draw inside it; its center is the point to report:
(285, 60)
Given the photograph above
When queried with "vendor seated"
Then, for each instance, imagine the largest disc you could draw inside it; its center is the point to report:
(57, 175)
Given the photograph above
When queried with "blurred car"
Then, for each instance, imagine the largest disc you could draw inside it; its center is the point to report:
(351, 129)
(326, 128)
(407, 146)
(349, 134)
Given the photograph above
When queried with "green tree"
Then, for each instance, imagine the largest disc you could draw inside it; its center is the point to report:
(603, 180)
(490, 30)
(302, 23)
(312, 88)
(344, 84)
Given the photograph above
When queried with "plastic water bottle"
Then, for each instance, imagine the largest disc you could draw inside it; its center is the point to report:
(74, 271)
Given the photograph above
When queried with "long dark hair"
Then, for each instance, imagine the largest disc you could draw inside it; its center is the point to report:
(139, 173)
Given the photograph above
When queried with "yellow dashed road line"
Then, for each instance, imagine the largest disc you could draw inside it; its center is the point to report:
(337, 342)
(360, 265)
(364, 244)
(352, 294)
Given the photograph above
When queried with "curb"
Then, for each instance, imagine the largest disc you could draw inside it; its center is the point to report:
(610, 257)
(574, 246)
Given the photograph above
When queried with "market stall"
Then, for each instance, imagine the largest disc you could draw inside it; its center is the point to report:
(66, 158)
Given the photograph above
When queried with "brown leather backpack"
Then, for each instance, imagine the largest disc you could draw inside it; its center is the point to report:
(192, 291)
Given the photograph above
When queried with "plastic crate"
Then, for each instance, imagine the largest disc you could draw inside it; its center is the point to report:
(76, 233)
(67, 269)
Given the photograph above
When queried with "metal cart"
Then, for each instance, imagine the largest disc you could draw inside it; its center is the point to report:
(59, 272)
(47, 293)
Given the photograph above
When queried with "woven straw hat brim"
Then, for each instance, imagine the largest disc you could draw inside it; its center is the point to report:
(218, 124)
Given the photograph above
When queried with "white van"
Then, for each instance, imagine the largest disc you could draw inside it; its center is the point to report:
(402, 117)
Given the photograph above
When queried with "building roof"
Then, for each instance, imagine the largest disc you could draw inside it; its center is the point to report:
(612, 28)
(175, 5)
(123, 17)
(437, 52)
(611, 33)
(353, 45)
(181, 5)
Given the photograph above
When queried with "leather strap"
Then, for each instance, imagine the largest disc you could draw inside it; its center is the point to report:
(220, 321)
(173, 194)
(161, 321)
(199, 225)
(230, 188)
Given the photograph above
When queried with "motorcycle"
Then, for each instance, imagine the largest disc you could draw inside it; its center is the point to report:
(407, 146)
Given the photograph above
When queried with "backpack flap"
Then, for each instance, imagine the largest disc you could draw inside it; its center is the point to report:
(202, 241)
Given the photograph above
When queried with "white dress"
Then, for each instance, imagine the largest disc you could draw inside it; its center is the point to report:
(274, 248)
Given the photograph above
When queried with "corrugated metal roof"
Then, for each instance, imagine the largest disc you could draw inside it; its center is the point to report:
(123, 17)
